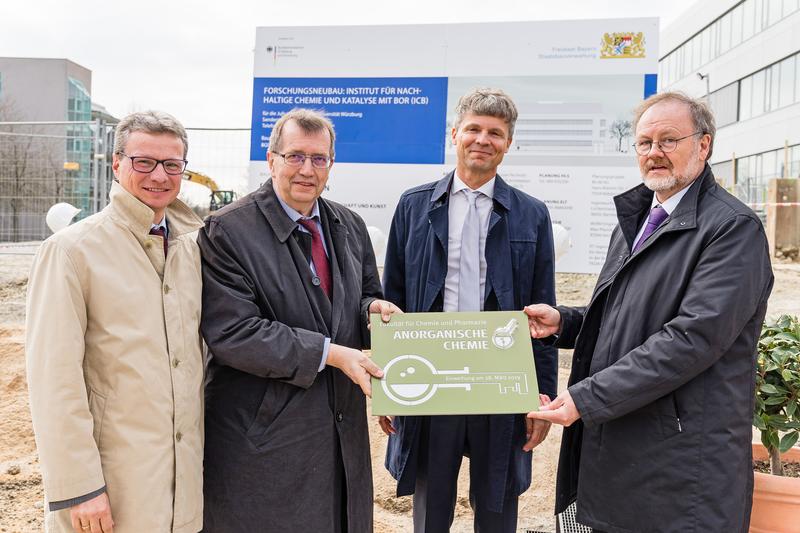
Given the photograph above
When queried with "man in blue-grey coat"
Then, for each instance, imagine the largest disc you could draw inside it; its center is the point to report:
(470, 242)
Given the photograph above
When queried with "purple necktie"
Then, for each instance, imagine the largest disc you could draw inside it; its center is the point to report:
(318, 255)
(161, 232)
(657, 215)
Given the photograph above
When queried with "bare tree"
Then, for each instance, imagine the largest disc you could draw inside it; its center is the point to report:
(31, 175)
(620, 129)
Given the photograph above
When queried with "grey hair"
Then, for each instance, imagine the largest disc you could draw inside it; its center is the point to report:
(702, 117)
(309, 120)
(154, 122)
(488, 102)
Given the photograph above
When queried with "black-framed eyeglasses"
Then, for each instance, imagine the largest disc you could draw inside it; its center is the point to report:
(665, 145)
(148, 164)
(298, 160)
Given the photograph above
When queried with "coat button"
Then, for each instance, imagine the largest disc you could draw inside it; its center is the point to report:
(339, 416)
(315, 281)
(683, 223)
(178, 436)
(175, 362)
(148, 244)
(166, 289)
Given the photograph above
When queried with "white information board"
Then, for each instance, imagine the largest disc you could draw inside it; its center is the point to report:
(391, 92)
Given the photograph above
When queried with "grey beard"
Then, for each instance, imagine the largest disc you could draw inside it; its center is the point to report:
(661, 184)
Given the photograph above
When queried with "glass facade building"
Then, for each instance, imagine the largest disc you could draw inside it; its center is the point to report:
(79, 144)
(749, 49)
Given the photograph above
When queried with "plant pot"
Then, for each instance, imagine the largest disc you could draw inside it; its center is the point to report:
(776, 499)
(760, 454)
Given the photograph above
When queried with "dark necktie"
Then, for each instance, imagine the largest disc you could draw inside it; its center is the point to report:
(161, 232)
(657, 215)
(318, 255)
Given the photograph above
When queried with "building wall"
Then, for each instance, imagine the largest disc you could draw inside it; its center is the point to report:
(37, 89)
(43, 164)
(750, 51)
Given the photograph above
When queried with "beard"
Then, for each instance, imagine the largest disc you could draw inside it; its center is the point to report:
(676, 180)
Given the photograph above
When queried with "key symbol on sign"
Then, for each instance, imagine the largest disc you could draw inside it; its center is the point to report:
(412, 380)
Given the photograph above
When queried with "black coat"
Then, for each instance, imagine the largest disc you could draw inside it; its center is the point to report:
(275, 427)
(519, 271)
(663, 370)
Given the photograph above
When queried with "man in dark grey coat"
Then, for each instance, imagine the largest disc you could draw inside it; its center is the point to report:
(288, 279)
(660, 399)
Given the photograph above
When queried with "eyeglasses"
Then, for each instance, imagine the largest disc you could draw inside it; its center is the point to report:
(148, 164)
(298, 160)
(665, 145)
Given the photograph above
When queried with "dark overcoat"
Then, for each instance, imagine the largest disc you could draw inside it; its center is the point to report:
(519, 271)
(663, 370)
(275, 426)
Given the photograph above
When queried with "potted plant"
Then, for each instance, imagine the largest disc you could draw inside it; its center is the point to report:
(777, 416)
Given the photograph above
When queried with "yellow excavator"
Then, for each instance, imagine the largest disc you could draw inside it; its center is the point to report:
(219, 198)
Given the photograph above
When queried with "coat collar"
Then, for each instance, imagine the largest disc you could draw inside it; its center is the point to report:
(502, 191)
(267, 201)
(128, 209)
(632, 204)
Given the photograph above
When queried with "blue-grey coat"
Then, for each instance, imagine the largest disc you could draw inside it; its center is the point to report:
(520, 271)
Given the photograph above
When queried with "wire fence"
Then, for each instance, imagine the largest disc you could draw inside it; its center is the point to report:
(43, 163)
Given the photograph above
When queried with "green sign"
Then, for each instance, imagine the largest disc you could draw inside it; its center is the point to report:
(453, 363)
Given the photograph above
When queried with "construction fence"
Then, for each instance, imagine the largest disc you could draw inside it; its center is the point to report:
(44, 163)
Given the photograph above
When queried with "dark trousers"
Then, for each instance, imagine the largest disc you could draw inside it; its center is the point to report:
(444, 440)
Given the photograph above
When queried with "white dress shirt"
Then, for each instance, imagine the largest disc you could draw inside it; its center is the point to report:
(457, 212)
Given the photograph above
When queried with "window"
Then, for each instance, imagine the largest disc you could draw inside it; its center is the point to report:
(736, 25)
(759, 93)
(786, 91)
(724, 104)
(769, 165)
(794, 162)
(706, 46)
(724, 33)
(746, 98)
(772, 80)
(757, 15)
(748, 19)
(773, 11)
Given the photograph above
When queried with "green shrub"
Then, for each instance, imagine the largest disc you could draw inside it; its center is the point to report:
(777, 406)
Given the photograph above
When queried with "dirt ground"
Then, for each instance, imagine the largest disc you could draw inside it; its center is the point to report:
(20, 480)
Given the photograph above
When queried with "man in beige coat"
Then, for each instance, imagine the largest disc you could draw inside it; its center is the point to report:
(113, 349)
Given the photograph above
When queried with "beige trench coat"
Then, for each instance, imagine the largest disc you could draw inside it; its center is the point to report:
(115, 368)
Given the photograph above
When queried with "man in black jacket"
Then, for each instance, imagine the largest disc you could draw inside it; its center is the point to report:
(660, 399)
(288, 278)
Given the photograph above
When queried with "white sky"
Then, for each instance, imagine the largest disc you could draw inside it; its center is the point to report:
(195, 59)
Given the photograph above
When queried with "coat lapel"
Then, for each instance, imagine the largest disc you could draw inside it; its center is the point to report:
(336, 237)
(318, 304)
(499, 267)
(438, 220)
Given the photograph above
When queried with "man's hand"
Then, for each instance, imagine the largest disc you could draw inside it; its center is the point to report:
(385, 422)
(543, 320)
(355, 364)
(92, 516)
(561, 411)
(536, 430)
(386, 309)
